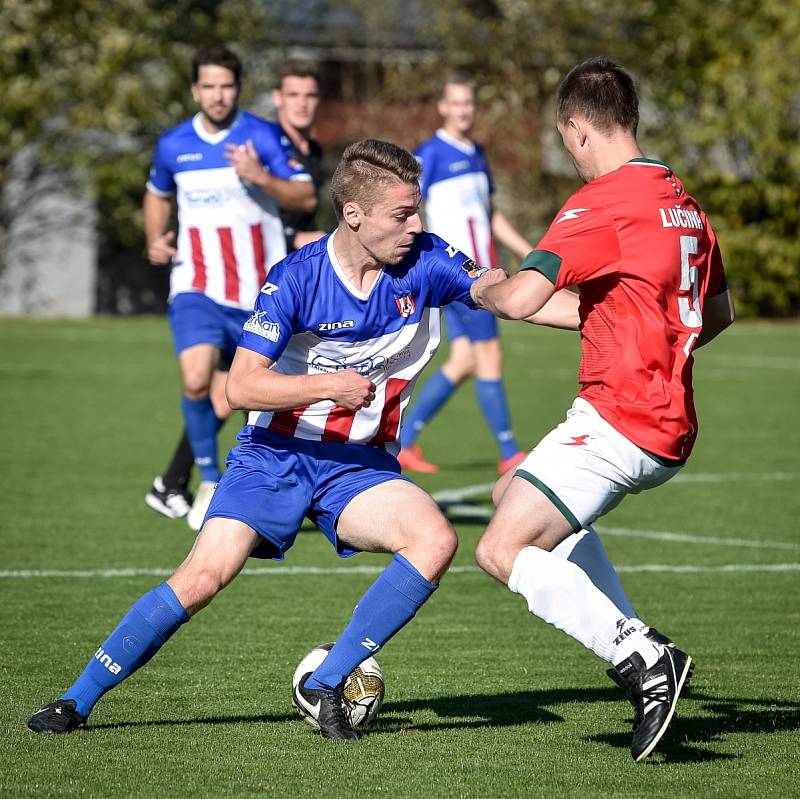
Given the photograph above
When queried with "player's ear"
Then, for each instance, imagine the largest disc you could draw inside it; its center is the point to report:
(352, 215)
(277, 98)
(195, 93)
(578, 128)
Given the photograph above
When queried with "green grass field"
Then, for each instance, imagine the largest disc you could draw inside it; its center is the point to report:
(482, 699)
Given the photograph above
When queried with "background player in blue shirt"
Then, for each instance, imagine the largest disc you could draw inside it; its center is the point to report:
(326, 364)
(457, 189)
(296, 99)
(229, 170)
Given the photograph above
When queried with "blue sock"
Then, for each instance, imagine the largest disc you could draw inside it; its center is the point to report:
(144, 629)
(492, 399)
(389, 604)
(201, 427)
(433, 395)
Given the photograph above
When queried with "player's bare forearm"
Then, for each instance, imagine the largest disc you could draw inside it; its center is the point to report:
(718, 313)
(560, 311)
(517, 297)
(508, 235)
(254, 386)
(156, 211)
(307, 237)
(294, 195)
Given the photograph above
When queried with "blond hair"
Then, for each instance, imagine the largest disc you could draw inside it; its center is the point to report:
(366, 168)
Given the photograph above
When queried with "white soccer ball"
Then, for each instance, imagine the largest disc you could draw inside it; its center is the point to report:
(363, 690)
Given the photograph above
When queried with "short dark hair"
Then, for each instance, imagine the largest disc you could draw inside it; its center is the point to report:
(603, 93)
(456, 78)
(219, 56)
(297, 69)
(367, 167)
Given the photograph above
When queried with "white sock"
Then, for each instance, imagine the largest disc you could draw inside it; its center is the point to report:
(585, 549)
(561, 593)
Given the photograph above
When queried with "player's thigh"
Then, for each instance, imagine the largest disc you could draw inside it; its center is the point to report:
(398, 516)
(525, 517)
(220, 551)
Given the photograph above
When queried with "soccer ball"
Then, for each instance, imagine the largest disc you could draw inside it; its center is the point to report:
(363, 689)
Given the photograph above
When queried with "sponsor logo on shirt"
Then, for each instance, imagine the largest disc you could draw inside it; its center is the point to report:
(212, 198)
(472, 269)
(457, 166)
(323, 363)
(261, 326)
(184, 157)
(571, 214)
(405, 305)
(324, 326)
(269, 288)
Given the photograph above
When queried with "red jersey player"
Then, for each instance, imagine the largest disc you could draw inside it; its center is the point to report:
(651, 290)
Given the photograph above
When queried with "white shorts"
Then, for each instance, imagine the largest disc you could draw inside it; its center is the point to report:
(586, 467)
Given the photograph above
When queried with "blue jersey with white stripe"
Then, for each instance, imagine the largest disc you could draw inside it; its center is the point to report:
(229, 231)
(311, 320)
(457, 188)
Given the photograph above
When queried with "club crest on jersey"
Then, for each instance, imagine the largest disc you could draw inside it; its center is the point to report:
(406, 305)
(472, 269)
(261, 326)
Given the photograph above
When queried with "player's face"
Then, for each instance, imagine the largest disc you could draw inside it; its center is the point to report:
(217, 93)
(297, 101)
(387, 232)
(457, 108)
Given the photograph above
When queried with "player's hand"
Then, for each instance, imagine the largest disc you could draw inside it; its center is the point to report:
(245, 161)
(161, 251)
(489, 278)
(350, 390)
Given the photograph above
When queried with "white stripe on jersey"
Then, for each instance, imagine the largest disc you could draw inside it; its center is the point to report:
(457, 209)
(228, 236)
(392, 361)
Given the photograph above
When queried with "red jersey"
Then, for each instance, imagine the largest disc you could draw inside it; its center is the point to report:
(644, 257)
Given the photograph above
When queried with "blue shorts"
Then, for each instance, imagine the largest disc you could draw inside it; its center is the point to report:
(273, 481)
(463, 321)
(197, 319)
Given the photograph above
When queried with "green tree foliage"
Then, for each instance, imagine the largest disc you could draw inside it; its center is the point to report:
(88, 85)
(720, 103)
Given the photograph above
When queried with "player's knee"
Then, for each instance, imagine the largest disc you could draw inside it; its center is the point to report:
(196, 587)
(433, 549)
(445, 544)
(489, 557)
(196, 384)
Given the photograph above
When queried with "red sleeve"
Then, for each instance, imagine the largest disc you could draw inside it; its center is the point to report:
(585, 242)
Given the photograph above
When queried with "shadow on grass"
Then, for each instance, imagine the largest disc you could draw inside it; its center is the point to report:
(704, 718)
(257, 718)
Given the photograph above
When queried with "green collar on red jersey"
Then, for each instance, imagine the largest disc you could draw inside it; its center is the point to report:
(651, 161)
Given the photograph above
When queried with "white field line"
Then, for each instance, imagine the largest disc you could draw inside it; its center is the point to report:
(453, 499)
(485, 489)
(687, 538)
(289, 571)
